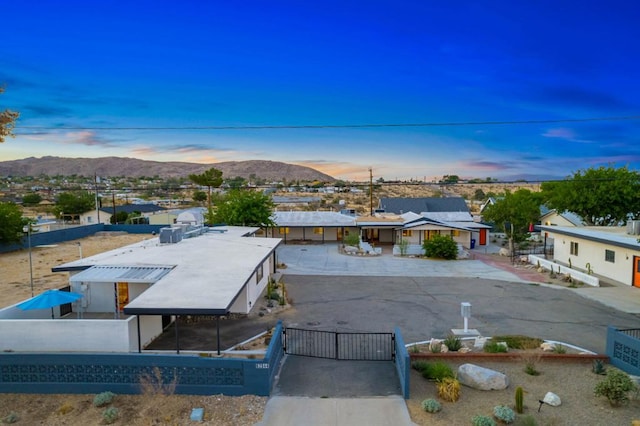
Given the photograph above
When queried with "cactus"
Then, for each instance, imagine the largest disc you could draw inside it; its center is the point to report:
(103, 398)
(519, 400)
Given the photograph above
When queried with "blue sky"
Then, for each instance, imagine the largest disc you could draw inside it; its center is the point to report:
(81, 72)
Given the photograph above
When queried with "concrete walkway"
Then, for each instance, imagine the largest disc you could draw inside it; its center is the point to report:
(295, 411)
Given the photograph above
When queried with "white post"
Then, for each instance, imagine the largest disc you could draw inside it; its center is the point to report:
(465, 310)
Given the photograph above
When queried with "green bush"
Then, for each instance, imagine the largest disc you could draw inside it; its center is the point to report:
(441, 246)
(438, 371)
(110, 415)
(453, 343)
(482, 421)
(103, 398)
(431, 405)
(615, 387)
(494, 347)
(420, 365)
(433, 371)
(352, 240)
(504, 414)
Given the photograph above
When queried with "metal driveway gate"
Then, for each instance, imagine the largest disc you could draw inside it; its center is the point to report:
(339, 345)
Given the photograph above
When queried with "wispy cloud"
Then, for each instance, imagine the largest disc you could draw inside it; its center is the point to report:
(87, 138)
(564, 133)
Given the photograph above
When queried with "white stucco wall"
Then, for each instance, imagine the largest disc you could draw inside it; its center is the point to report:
(247, 298)
(593, 253)
(55, 335)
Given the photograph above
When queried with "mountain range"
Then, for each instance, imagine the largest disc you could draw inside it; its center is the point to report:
(132, 167)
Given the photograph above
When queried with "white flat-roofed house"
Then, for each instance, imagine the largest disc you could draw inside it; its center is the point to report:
(129, 292)
(610, 253)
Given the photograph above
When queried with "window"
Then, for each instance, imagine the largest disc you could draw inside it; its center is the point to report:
(610, 256)
(574, 248)
(407, 232)
(259, 274)
(318, 231)
(455, 233)
(284, 230)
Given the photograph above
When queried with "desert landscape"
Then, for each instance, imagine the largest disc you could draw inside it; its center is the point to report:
(572, 381)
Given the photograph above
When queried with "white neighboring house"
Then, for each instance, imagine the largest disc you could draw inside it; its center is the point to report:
(553, 218)
(130, 293)
(610, 253)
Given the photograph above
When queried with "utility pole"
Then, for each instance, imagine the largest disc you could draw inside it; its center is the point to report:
(371, 191)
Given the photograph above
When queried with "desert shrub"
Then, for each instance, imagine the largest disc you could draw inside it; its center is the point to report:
(517, 341)
(504, 414)
(154, 384)
(439, 371)
(435, 348)
(449, 389)
(453, 343)
(431, 405)
(494, 347)
(531, 361)
(559, 349)
(103, 398)
(482, 421)
(527, 420)
(433, 371)
(441, 246)
(110, 415)
(352, 240)
(65, 408)
(615, 387)
(598, 367)
(10, 418)
(420, 365)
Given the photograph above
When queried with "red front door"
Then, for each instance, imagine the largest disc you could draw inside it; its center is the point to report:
(636, 271)
(483, 237)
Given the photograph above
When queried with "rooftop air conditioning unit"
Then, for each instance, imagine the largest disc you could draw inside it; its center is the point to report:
(633, 227)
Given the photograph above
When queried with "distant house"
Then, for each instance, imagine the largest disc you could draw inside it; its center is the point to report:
(318, 226)
(428, 216)
(554, 218)
(610, 253)
(104, 214)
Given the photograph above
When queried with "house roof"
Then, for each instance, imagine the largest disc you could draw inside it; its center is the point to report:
(567, 215)
(130, 208)
(293, 219)
(614, 236)
(424, 204)
(207, 272)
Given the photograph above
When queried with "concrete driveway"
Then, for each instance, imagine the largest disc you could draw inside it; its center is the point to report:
(326, 260)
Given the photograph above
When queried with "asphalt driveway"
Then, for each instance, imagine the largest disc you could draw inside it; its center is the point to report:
(422, 297)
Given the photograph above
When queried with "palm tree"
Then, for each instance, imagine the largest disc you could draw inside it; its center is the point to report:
(211, 178)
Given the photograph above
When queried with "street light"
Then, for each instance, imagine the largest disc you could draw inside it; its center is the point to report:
(27, 229)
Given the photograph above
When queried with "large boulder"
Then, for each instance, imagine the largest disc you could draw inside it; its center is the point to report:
(481, 378)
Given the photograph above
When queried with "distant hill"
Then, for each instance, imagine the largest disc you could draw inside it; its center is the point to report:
(132, 167)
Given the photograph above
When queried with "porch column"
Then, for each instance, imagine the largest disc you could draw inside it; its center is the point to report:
(177, 335)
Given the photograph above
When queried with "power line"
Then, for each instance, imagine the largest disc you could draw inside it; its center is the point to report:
(338, 126)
